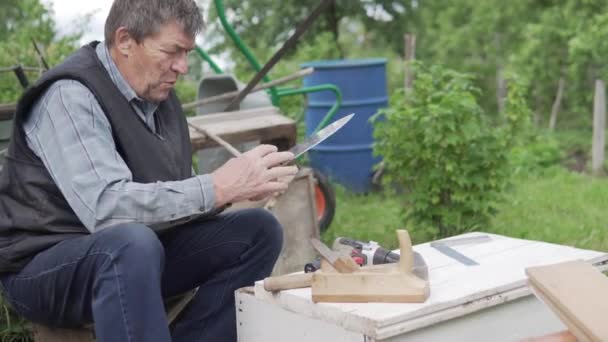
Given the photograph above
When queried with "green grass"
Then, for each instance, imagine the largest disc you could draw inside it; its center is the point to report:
(559, 206)
(374, 216)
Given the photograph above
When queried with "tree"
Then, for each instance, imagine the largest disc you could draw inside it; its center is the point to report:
(265, 24)
(20, 22)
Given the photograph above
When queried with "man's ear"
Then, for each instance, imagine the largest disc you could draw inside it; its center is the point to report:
(123, 41)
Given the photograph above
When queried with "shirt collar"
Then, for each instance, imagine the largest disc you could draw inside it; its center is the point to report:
(104, 55)
(148, 108)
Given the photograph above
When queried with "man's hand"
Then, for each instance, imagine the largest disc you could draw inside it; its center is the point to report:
(254, 174)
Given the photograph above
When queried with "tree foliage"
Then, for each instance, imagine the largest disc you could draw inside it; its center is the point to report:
(542, 41)
(21, 21)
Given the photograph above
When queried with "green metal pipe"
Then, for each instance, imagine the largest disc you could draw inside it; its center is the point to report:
(221, 13)
(209, 60)
(321, 87)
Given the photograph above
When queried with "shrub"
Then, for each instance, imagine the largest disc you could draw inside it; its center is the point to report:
(439, 147)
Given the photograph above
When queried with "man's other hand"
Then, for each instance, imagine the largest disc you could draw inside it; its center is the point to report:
(254, 174)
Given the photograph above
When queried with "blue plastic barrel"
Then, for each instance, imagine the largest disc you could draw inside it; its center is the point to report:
(346, 157)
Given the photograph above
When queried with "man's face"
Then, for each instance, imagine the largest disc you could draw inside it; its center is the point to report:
(158, 60)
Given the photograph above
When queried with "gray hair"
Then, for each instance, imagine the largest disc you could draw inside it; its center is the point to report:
(143, 18)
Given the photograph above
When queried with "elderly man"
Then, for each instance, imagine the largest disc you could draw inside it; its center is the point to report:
(101, 216)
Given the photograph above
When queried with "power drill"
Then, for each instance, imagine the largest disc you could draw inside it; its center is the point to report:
(363, 253)
(371, 252)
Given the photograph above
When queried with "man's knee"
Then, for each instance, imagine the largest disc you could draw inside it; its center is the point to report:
(132, 243)
(266, 226)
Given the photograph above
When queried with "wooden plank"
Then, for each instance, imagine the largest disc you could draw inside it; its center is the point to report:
(264, 124)
(455, 289)
(575, 290)
(295, 210)
(7, 111)
(363, 287)
(235, 115)
(509, 322)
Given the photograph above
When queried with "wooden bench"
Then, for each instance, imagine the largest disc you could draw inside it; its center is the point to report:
(265, 124)
(43, 333)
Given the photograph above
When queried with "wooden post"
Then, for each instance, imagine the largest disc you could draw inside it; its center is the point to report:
(410, 55)
(599, 126)
(501, 89)
(557, 103)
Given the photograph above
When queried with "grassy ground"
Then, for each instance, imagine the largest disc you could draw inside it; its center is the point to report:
(373, 216)
(560, 206)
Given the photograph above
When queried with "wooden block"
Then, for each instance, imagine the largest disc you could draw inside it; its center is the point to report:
(575, 291)
(326, 267)
(363, 287)
(392, 283)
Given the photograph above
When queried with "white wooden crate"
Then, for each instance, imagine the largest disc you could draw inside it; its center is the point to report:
(488, 302)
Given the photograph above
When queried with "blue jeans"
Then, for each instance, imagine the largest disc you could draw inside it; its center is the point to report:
(117, 278)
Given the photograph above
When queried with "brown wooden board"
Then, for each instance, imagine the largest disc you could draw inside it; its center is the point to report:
(7, 111)
(576, 291)
(296, 211)
(363, 287)
(391, 284)
(265, 124)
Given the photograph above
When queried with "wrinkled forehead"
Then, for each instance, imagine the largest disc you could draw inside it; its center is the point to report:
(173, 33)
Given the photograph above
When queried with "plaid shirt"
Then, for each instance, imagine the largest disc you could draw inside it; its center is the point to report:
(69, 132)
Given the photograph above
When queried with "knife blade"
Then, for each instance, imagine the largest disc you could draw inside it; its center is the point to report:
(314, 139)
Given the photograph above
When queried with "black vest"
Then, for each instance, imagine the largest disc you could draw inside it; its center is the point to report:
(34, 215)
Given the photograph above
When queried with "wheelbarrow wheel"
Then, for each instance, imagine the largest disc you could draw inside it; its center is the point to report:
(325, 199)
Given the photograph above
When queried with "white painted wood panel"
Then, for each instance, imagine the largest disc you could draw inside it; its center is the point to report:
(456, 290)
(258, 321)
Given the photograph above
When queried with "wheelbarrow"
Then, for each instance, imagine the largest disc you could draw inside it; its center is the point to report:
(212, 86)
